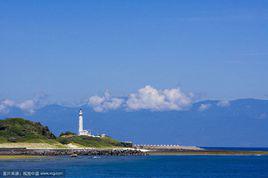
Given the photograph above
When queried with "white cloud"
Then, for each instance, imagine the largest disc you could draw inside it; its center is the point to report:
(204, 107)
(223, 103)
(8, 102)
(5, 105)
(158, 100)
(105, 103)
(145, 98)
(96, 100)
(2, 109)
(31, 105)
(28, 106)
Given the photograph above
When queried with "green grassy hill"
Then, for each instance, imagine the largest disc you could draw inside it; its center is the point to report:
(21, 130)
(18, 130)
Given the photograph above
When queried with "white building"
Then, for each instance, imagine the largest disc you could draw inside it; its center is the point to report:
(81, 131)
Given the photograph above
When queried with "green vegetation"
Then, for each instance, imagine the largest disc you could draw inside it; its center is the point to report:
(86, 141)
(66, 134)
(21, 130)
(18, 130)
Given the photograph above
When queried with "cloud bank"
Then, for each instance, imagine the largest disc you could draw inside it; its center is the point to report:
(29, 106)
(5, 105)
(145, 98)
(105, 103)
(158, 100)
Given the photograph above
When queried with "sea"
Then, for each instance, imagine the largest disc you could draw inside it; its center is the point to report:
(237, 148)
(211, 166)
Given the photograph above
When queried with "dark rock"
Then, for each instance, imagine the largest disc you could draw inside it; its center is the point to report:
(57, 152)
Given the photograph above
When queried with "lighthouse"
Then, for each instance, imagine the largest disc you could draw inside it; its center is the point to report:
(81, 130)
(80, 127)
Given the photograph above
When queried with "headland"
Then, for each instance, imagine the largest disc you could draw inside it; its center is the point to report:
(23, 138)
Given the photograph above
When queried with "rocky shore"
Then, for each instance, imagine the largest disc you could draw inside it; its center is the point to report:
(57, 152)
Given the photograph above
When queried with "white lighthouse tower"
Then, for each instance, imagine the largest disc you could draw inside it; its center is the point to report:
(81, 131)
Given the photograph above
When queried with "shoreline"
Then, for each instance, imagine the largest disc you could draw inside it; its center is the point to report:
(25, 156)
(23, 153)
(78, 152)
(194, 150)
(34, 150)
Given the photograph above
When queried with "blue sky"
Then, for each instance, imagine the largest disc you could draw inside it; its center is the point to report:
(76, 49)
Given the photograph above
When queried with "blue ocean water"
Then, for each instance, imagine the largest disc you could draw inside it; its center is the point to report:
(149, 166)
(237, 148)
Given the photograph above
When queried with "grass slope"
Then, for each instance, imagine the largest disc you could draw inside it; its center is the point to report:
(98, 142)
(21, 130)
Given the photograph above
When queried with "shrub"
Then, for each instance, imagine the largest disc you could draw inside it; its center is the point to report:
(67, 133)
(64, 141)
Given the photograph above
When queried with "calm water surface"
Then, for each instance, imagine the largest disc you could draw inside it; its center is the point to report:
(149, 166)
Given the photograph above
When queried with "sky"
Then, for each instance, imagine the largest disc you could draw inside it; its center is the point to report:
(73, 50)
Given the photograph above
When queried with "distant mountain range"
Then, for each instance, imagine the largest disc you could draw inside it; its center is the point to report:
(242, 122)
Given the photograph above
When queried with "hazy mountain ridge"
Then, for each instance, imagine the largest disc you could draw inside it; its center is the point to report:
(242, 122)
